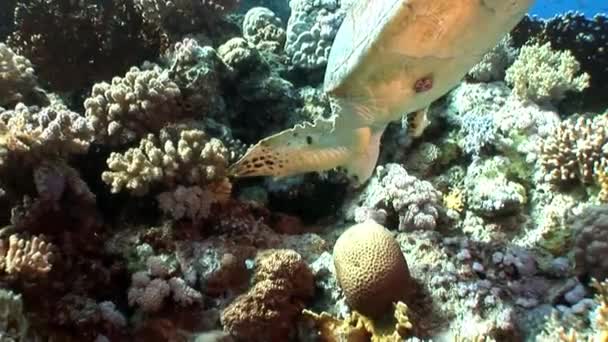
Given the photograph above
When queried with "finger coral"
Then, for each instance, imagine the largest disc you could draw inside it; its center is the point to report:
(575, 150)
(142, 101)
(27, 257)
(36, 133)
(175, 156)
(17, 78)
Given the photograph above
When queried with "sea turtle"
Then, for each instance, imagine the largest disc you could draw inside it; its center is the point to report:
(389, 58)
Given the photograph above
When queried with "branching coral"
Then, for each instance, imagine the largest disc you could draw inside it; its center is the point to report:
(142, 101)
(17, 79)
(542, 74)
(150, 288)
(13, 323)
(40, 133)
(197, 71)
(576, 150)
(169, 14)
(494, 63)
(29, 258)
(175, 156)
(194, 202)
(267, 312)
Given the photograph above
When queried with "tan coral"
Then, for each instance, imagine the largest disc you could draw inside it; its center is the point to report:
(575, 150)
(268, 311)
(177, 155)
(371, 268)
(30, 257)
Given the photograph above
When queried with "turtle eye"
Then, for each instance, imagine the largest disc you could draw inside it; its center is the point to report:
(423, 84)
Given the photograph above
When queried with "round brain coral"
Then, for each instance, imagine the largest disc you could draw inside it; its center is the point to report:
(371, 268)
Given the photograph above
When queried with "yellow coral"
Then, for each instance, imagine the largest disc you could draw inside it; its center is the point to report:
(454, 199)
(601, 314)
(28, 257)
(359, 328)
(601, 177)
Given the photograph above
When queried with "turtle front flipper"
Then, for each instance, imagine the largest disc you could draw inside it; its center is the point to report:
(312, 147)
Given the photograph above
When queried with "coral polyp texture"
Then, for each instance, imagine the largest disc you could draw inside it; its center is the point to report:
(175, 156)
(121, 218)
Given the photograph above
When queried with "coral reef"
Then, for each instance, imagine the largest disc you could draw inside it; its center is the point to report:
(121, 219)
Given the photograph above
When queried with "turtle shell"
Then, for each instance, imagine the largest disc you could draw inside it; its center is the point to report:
(361, 28)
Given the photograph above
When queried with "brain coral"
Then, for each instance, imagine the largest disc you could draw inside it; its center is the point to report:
(371, 269)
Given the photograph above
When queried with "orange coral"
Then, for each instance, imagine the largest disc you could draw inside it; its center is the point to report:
(268, 311)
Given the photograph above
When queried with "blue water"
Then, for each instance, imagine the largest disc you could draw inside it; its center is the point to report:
(549, 8)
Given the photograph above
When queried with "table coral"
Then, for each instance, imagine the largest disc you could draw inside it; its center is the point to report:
(176, 155)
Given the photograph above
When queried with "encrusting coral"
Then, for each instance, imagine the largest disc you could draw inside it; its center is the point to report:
(268, 311)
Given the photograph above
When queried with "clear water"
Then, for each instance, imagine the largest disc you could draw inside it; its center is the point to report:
(549, 8)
